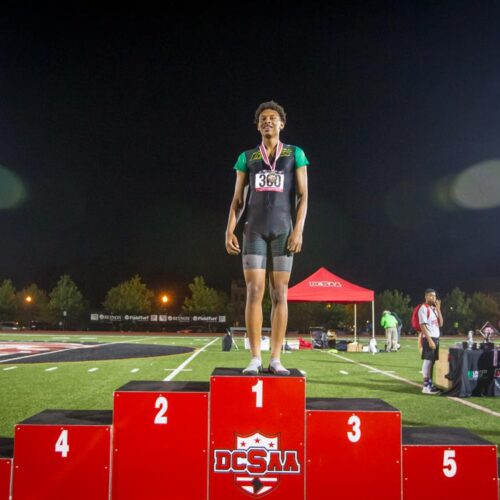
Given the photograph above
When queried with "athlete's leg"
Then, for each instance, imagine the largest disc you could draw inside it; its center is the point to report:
(255, 280)
(278, 290)
(254, 268)
(279, 277)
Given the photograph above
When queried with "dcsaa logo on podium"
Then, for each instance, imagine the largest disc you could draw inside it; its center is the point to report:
(257, 463)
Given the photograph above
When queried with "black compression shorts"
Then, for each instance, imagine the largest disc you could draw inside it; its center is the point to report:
(257, 247)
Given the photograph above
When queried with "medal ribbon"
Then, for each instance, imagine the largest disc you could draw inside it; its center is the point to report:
(263, 152)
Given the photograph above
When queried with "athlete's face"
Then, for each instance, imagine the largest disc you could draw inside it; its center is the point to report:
(430, 298)
(270, 123)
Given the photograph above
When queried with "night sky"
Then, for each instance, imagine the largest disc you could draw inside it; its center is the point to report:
(122, 129)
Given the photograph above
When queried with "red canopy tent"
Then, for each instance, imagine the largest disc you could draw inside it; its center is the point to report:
(324, 286)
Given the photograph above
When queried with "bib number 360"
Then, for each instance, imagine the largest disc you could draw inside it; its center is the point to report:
(269, 180)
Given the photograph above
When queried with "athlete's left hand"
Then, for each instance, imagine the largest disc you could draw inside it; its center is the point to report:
(294, 242)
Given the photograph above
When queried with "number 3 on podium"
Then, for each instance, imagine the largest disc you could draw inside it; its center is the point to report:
(355, 434)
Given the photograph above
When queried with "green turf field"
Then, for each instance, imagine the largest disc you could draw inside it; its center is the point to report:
(29, 388)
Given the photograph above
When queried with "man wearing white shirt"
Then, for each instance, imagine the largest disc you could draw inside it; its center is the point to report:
(430, 320)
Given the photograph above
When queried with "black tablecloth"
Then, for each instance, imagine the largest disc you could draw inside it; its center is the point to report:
(474, 372)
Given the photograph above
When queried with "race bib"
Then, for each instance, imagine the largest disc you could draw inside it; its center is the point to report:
(269, 180)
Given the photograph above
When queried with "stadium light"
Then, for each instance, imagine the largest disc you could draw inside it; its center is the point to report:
(28, 299)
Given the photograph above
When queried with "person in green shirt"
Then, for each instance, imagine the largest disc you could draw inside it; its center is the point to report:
(390, 323)
(275, 176)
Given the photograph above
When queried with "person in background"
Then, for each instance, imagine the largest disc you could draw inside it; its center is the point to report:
(399, 327)
(430, 320)
(390, 324)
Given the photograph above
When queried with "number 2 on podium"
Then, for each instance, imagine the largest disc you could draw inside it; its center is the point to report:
(162, 404)
(258, 388)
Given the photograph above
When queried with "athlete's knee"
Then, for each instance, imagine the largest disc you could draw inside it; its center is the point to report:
(255, 291)
(279, 293)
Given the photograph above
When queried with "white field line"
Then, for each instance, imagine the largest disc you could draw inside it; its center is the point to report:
(134, 370)
(10, 368)
(411, 382)
(92, 370)
(185, 363)
(173, 369)
(51, 369)
(72, 348)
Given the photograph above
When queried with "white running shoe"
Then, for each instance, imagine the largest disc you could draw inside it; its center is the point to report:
(277, 368)
(430, 389)
(254, 367)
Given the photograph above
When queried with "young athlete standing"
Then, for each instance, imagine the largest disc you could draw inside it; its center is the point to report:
(276, 174)
(430, 320)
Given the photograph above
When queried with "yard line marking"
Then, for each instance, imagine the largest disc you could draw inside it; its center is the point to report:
(134, 370)
(185, 363)
(10, 368)
(344, 372)
(474, 405)
(410, 382)
(93, 370)
(51, 369)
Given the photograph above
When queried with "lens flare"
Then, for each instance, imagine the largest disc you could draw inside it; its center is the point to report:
(12, 190)
(478, 187)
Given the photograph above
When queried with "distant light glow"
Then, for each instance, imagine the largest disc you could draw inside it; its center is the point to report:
(28, 299)
(164, 299)
(12, 190)
(478, 187)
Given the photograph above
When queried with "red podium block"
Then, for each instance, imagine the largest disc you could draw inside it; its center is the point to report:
(6, 454)
(446, 462)
(160, 441)
(62, 454)
(357, 441)
(256, 435)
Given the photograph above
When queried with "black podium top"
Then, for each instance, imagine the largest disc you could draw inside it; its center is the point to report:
(161, 386)
(348, 404)
(441, 436)
(71, 417)
(236, 372)
(6, 447)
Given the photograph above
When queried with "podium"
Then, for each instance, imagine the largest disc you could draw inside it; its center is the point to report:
(6, 454)
(446, 462)
(62, 454)
(353, 448)
(256, 435)
(160, 441)
(239, 437)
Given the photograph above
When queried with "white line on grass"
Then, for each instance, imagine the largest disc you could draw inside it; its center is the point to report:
(411, 382)
(344, 372)
(172, 369)
(185, 363)
(134, 370)
(93, 370)
(9, 368)
(51, 369)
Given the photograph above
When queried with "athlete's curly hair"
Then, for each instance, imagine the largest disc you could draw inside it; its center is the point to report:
(270, 105)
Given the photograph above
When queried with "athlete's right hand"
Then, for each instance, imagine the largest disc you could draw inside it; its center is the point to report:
(432, 345)
(232, 245)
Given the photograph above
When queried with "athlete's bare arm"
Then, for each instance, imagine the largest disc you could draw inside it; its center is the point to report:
(295, 239)
(232, 245)
(438, 312)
